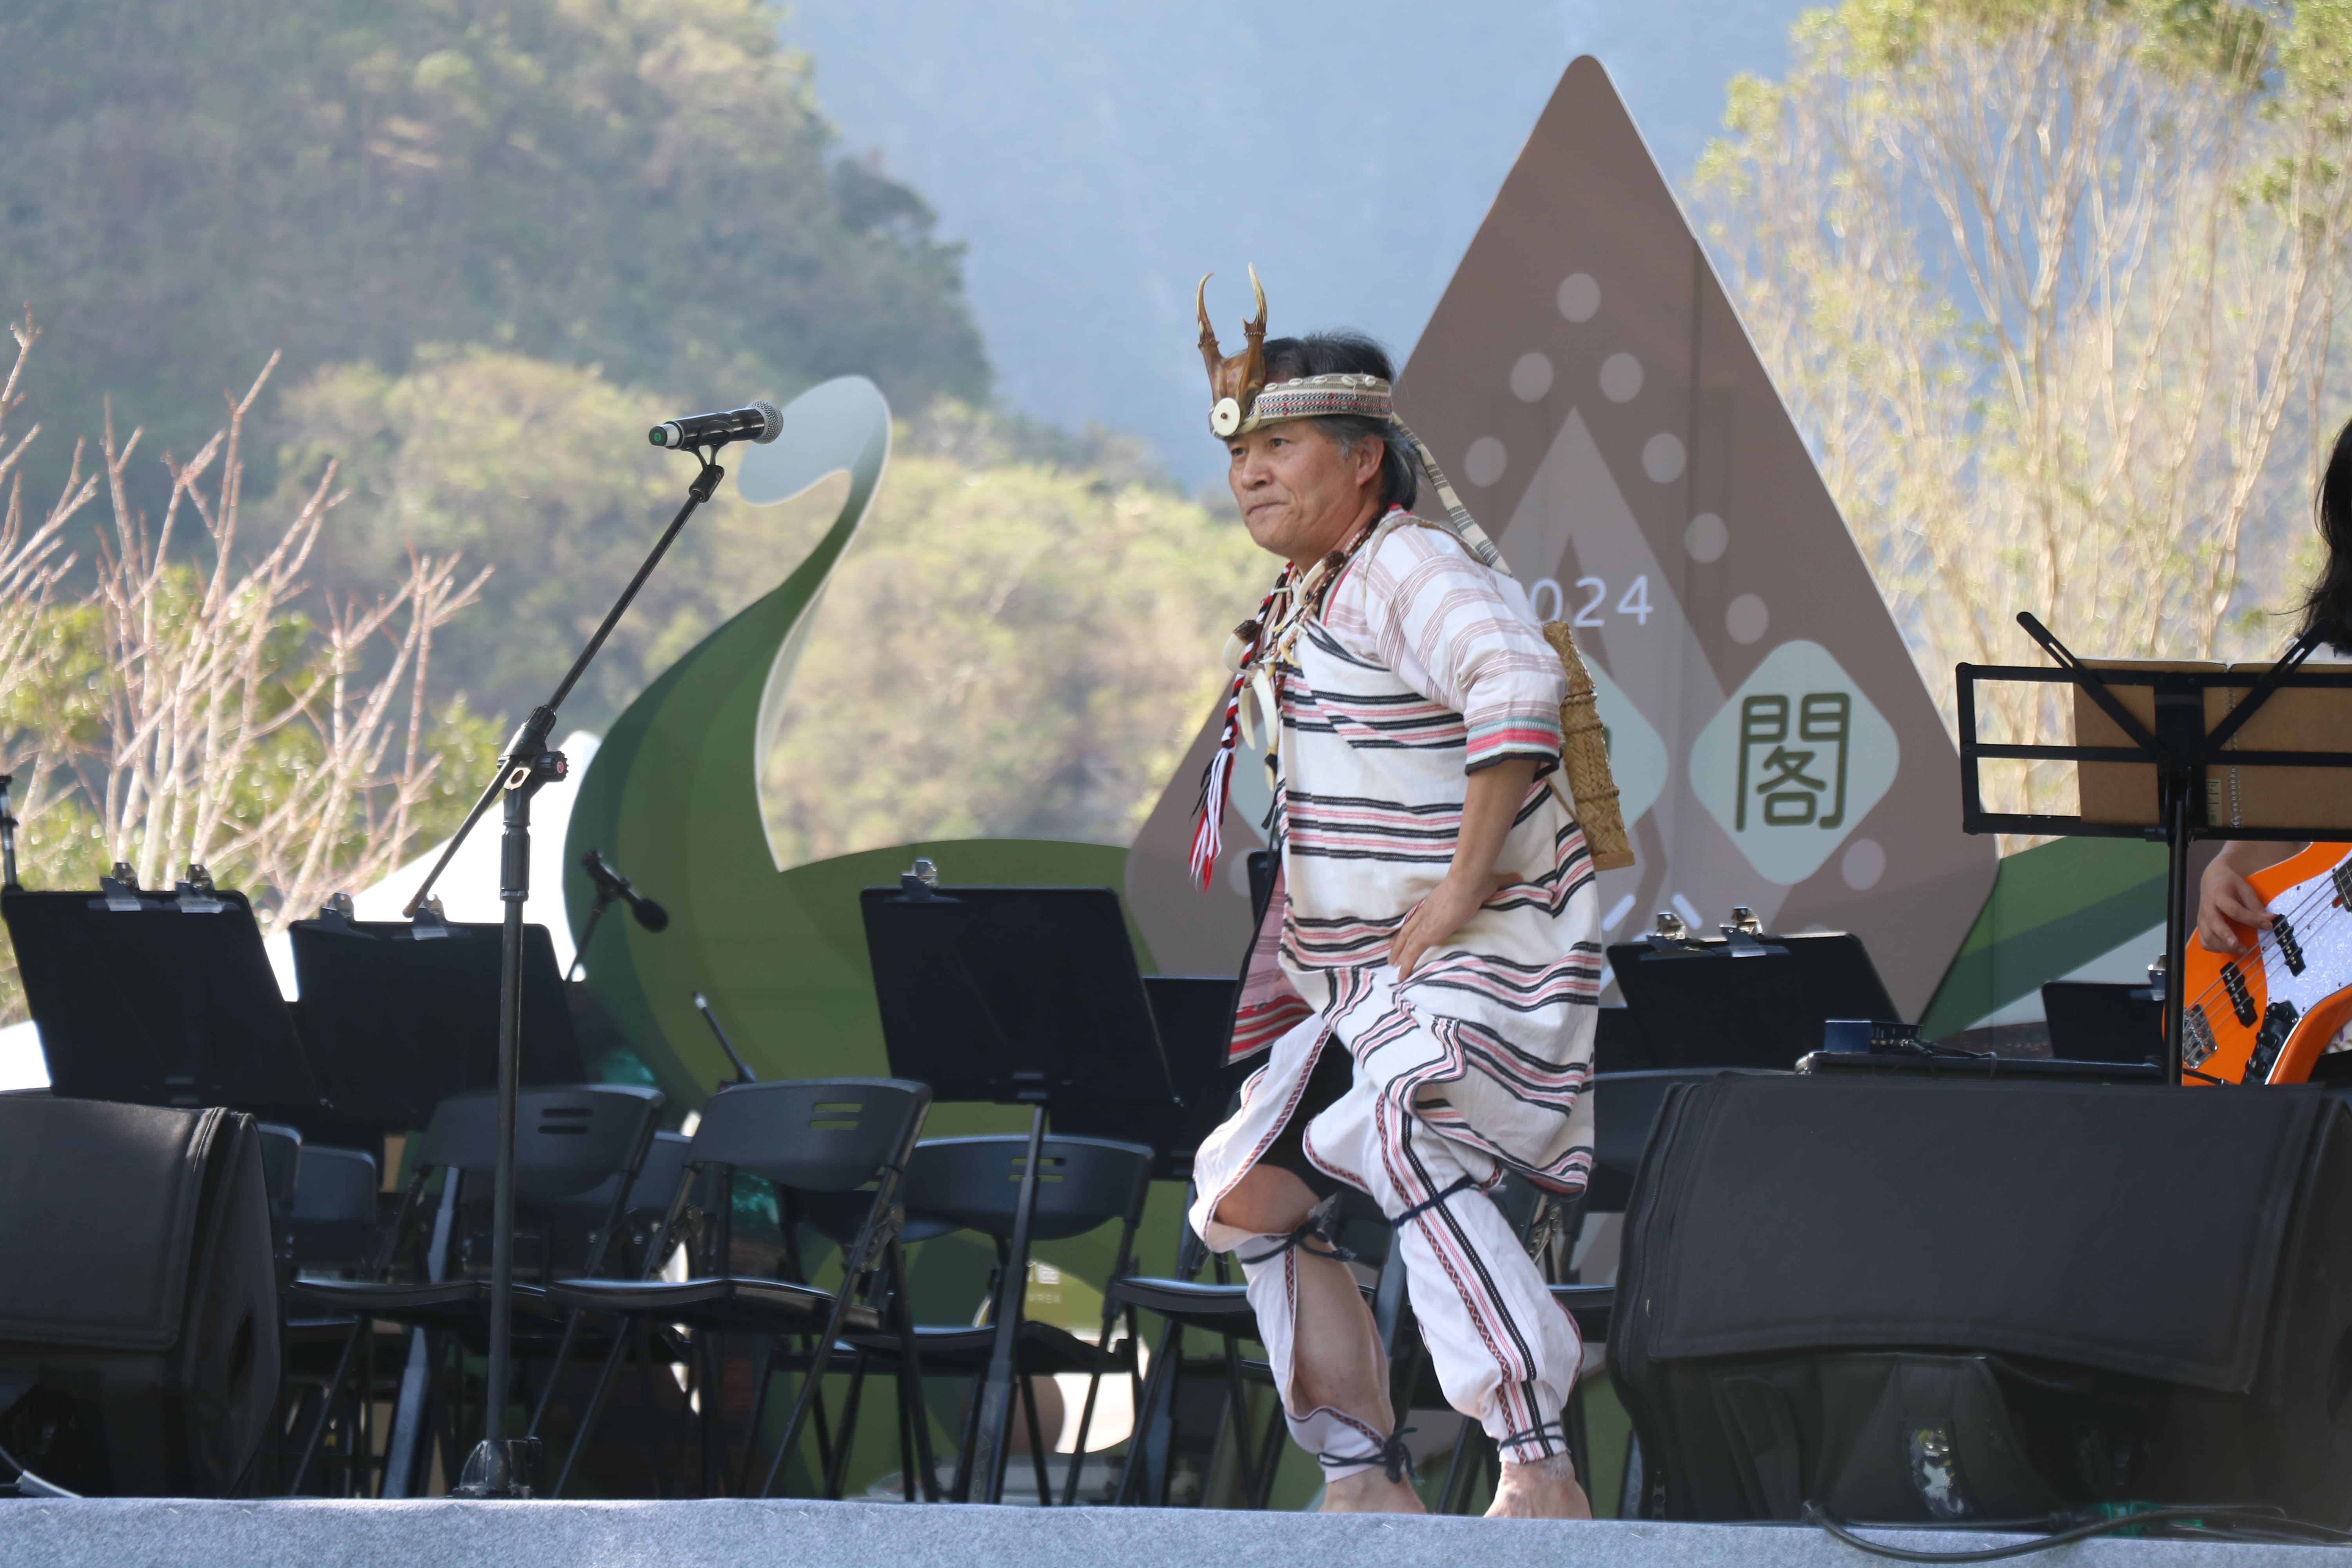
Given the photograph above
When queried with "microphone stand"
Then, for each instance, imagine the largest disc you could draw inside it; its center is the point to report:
(604, 897)
(498, 1467)
(742, 1073)
(7, 838)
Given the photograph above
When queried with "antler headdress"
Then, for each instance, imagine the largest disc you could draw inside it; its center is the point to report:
(1233, 383)
(1241, 400)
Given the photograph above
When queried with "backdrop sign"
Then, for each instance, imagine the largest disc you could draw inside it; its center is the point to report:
(1587, 384)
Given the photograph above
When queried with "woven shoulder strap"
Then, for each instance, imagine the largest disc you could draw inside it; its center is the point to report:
(1458, 518)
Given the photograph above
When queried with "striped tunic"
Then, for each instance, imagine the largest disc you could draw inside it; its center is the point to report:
(1423, 666)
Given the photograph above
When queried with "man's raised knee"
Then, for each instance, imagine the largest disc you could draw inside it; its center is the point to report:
(1268, 1201)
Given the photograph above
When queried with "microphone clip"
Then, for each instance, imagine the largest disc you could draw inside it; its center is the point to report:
(612, 885)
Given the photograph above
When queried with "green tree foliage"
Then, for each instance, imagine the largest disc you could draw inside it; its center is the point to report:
(647, 185)
(540, 470)
(1009, 650)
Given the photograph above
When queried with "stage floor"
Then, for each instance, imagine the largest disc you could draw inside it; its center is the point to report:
(129, 1533)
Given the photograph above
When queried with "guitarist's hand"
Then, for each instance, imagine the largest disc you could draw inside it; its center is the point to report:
(2225, 897)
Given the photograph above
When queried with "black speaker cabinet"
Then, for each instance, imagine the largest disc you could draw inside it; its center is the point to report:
(139, 1331)
(1952, 1301)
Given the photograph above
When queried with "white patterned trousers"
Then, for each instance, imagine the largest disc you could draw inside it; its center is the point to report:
(1504, 1352)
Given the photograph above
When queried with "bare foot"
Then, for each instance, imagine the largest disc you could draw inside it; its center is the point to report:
(1540, 1489)
(1371, 1491)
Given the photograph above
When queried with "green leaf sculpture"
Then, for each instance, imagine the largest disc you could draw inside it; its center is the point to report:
(672, 799)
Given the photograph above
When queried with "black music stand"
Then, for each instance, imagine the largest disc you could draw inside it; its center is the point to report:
(2180, 748)
(1019, 996)
(1195, 1014)
(2090, 1021)
(1744, 1001)
(160, 998)
(399, 1017)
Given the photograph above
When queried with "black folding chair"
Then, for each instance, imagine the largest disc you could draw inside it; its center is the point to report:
(975, 1185)
(1183, 1301)
(331, 1228)
(323, 1208)
(574, 1224)
(568, 1141)
(813, 1137)
(281, 1166)
(586, 1225)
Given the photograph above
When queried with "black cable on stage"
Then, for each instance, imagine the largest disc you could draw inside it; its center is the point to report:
(2242, 1524)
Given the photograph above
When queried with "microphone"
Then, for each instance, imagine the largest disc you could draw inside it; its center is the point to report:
(742, 1073)
(763, 421)
(611, 885)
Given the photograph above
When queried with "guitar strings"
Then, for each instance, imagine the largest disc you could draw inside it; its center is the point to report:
(2295, 915)
(2316, 889)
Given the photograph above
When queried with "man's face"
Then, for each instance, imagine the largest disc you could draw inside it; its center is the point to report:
(1300, 496)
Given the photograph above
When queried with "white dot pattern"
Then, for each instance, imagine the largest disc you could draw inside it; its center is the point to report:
(1745, 618)
(1661, 456)
(1485, 461)
(1621, 378)
(1580, 296)
(1705, 539)
(1531, 377)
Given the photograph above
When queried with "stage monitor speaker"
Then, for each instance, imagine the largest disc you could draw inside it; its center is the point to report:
(1948, 1302)
(139, 1329)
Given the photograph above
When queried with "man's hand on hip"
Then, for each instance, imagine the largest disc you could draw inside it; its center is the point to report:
(1491, 799)
(1436, 918)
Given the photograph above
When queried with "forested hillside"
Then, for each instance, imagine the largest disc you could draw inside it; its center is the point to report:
(186, 185)
(494, 239)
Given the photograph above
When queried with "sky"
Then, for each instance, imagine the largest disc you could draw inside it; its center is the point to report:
(1096, 159)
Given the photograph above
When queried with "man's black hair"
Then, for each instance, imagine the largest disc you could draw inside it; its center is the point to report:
(1349, 353)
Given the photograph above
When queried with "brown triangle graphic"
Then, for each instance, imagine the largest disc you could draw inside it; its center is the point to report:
(1589, 388)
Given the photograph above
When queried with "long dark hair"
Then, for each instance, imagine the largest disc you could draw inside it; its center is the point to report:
(2328, 609)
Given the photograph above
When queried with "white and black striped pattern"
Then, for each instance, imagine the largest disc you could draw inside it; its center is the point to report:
(1419, 669)
(1502, 1350)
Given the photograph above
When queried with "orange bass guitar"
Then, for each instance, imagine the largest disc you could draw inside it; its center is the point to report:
(2264, 1017)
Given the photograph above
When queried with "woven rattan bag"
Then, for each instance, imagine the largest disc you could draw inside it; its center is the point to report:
(1589, 791)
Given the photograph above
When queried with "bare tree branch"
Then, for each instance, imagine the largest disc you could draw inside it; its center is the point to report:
(2052, 290)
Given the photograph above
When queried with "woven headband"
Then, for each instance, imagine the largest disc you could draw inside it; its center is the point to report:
(1309, 398)
(1242, 401)
(1321, 396)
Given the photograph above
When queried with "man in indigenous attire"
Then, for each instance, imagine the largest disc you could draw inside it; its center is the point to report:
(1424, 978)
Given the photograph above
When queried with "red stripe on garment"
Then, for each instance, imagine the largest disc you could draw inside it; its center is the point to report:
(1315, 814)
(1535, 739)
